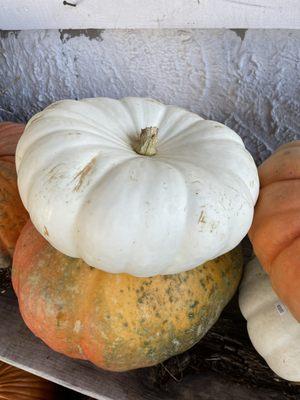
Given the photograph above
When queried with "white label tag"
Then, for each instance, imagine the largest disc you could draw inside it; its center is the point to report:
(280, 308)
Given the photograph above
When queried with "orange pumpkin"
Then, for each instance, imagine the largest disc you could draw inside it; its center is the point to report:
(275, 232)
(117, 321)
(16, 384)
(13, 215)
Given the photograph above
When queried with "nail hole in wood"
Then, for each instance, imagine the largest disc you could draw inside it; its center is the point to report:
(66, 3)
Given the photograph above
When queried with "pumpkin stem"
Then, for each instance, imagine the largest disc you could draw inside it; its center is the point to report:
(148, 141)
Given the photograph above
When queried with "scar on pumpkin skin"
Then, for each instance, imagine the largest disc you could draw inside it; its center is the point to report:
(46, 233)
(202, 218)
(83, 173)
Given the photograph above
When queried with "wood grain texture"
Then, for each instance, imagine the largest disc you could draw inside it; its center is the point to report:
(43, 14)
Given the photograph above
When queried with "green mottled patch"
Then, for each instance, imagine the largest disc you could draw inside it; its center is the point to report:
(183, 277)
(142, 298)
(151, 353)
(203, 283)
(213, 290)
(168, 291)
(194, 304)
(147, 283)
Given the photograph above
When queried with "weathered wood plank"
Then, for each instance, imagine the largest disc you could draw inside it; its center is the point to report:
(30, 14)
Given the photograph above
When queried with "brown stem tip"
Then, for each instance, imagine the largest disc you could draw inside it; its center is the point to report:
(148, 141)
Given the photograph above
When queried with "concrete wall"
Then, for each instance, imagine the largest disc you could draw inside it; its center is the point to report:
(249, 80)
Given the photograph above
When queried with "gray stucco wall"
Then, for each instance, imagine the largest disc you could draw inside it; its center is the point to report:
(249, 80)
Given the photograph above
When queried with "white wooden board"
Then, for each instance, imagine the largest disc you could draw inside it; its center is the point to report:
(54, 14)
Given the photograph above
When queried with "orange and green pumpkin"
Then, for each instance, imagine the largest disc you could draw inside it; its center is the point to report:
(13, 215)
(117, 321)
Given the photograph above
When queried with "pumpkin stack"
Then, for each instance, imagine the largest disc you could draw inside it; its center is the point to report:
(137, 210)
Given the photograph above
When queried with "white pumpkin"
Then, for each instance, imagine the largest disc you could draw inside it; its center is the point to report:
(273, 331)
(187, 198)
